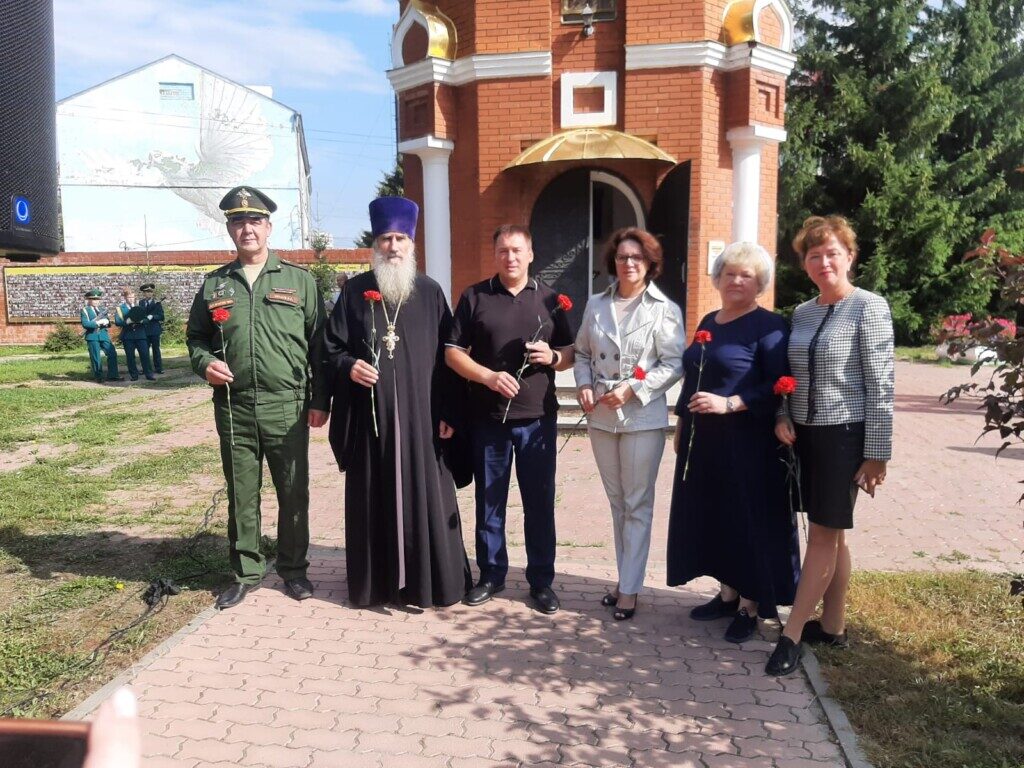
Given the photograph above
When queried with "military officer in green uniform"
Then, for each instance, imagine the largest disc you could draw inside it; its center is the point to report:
(154, 324)
(255, 334)
(131, 319)
(95, 322)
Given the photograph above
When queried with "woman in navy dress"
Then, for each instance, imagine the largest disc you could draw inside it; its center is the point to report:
(730, 516)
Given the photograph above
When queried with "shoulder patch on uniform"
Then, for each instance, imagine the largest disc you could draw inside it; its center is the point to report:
(293, 264)
(221, 270)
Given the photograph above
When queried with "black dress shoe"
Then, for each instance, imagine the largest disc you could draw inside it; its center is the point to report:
(544, 599)
(813, 634)
(716, 608)
(482, 592)
(233, 595)
(785, 658)
(742, 627)
(625, 614)
(300, 588)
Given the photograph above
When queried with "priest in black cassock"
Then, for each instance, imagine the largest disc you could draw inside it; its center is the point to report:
(392, 428)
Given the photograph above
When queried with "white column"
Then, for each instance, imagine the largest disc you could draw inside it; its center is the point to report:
(436, 216)
(746, 143)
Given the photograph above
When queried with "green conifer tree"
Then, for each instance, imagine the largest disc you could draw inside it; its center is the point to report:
(899, 119)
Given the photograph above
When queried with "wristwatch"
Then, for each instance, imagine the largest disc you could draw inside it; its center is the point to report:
(728, 405)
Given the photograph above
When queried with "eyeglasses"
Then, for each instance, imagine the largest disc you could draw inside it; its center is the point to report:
(622, 258)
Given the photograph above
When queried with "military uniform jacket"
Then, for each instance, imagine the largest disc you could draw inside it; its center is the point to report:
(136, 330)
(93, 331)
(156, 309)
(274, 335)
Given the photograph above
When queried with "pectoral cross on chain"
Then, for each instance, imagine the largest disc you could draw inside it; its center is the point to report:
(391, 340)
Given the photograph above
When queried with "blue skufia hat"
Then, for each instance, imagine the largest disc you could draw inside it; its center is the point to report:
(393, 214)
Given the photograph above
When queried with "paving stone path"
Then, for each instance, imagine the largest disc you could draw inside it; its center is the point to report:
(278, 683)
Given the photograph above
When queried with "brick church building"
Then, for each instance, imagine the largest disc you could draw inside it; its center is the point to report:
(579, 117)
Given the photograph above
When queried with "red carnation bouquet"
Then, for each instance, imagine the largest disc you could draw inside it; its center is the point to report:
(221, 316)
(373, 297)
(564, 304)
(703, 338)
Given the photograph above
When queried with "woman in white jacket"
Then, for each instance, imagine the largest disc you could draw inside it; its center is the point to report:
(628, 354)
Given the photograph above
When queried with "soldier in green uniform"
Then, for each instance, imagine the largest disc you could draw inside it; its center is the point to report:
(131, 319)
(154, 324)
(95, 322)
(255, 334)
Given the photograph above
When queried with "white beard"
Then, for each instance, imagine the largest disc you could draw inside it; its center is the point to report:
(395, 281)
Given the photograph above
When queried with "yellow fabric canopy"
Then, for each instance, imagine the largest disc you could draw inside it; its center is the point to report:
(591, 144)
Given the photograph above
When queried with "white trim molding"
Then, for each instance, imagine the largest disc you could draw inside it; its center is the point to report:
(709, 54)
(434, 154)
(759, 56)
(607, 81)
(665, 55)
(746, 143)
(481, 66)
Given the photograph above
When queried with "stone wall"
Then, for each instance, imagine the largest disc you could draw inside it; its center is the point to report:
(36, 296)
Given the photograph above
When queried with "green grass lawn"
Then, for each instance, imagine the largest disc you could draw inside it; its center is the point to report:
(934, 676)
(83, 530)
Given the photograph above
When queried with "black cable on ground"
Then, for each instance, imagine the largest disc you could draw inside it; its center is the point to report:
(155, 596)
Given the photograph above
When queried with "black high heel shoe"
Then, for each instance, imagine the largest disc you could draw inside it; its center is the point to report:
(624, 614)
(609, 600)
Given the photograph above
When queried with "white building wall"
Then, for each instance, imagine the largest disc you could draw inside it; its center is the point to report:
(146, 158)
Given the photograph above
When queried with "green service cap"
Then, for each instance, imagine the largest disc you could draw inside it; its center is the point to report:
(246, 201)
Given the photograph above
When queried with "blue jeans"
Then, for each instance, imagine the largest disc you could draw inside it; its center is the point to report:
(533, 444)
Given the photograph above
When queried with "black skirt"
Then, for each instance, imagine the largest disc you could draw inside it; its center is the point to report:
(830, 456)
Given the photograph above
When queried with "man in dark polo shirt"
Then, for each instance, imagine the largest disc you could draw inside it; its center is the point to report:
(493, 333)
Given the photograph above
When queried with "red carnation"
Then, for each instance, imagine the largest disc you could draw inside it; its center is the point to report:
(786, 385)
(372, 296)
(702, 337)
(564, 302)
(639, 373)
(220, 316)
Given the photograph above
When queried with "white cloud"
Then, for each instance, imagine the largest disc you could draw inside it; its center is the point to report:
(291, 44)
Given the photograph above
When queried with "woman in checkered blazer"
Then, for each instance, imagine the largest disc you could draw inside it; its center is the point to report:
(840, 421)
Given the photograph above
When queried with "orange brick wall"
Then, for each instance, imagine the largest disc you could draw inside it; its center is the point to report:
(504, 27)
(769, 27)
(685, 111)
(665, 21)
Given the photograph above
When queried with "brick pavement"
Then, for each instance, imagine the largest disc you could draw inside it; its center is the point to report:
(278, 683)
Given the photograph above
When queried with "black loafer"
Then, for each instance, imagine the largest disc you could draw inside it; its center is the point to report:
(742, 627)
(482, 592)
(300, 588)
(233, 595)
(813, 634)
(545, 600)
(716, 608)
(785, 658)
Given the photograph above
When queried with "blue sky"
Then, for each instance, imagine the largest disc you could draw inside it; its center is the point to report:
(324, 58)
